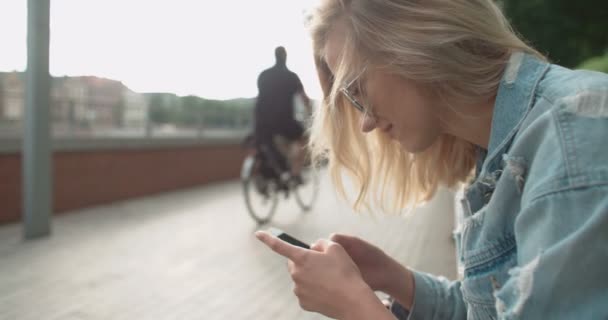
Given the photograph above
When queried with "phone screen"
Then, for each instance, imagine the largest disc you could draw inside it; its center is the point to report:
(287, 238)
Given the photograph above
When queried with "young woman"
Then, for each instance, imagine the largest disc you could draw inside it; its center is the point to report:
(420, 94)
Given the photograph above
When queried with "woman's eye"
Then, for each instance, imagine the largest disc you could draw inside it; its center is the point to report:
(356, 90)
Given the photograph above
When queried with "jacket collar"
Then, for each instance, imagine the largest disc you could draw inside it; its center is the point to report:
(514, 100)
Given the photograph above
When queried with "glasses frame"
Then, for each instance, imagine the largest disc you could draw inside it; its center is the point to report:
(358, 105)
(366, 111)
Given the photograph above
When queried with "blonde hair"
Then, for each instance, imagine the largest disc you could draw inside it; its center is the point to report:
(457, 48)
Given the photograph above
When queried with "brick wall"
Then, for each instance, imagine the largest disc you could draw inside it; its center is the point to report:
(93, 177)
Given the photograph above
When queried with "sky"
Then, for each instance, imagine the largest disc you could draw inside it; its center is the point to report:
(210, 48)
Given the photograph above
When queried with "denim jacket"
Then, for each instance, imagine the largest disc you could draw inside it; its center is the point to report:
(534, 239)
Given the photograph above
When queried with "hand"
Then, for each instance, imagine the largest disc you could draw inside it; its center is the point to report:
(326, 280)
(373, 263)
(380, 271)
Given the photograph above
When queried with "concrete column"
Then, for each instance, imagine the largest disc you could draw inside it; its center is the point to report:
(36, 155)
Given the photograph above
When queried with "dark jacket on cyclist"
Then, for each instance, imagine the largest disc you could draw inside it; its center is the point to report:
(274, 108)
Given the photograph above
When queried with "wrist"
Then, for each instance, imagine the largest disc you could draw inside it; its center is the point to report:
(387, 272)
(401, 285)
(364, 305)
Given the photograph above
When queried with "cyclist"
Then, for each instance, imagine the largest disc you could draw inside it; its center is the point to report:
(274, 116)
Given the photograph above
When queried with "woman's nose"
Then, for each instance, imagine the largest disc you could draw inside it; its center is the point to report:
(368, 123)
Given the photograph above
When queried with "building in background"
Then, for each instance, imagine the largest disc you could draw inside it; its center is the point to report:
(134, 110)
(13, 95)
(79, 105)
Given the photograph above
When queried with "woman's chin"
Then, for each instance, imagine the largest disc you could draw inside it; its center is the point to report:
(413, 146)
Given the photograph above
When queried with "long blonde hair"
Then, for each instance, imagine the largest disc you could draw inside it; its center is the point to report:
(458, 48)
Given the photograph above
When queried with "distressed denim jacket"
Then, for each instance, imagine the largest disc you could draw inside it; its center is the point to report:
(533, 242)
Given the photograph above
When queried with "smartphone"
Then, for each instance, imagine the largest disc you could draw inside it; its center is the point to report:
(287, 238)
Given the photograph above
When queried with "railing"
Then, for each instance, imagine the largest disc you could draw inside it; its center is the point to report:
(130, 140)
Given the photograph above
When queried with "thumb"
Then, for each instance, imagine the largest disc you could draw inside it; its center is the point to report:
(343, 239)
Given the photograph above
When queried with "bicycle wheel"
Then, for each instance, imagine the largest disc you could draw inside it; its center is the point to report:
(306, 193)
(261, 196)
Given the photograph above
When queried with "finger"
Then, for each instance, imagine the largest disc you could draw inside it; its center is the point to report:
(337, 237)
(343, 239)
(320, 245)
(324, 245)
(281, 247)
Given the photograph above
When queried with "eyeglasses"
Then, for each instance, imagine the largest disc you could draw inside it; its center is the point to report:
(353, 100)
(351, 97)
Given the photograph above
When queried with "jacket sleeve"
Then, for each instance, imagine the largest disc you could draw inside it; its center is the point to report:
(434, 298)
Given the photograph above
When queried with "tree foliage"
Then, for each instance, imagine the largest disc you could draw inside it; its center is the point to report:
(596, 64)
(193, 111)
(567, 31)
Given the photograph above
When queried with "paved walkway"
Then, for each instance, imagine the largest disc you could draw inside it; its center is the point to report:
(192, 255)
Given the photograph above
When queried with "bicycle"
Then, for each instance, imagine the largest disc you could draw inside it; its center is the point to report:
(262, 182)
